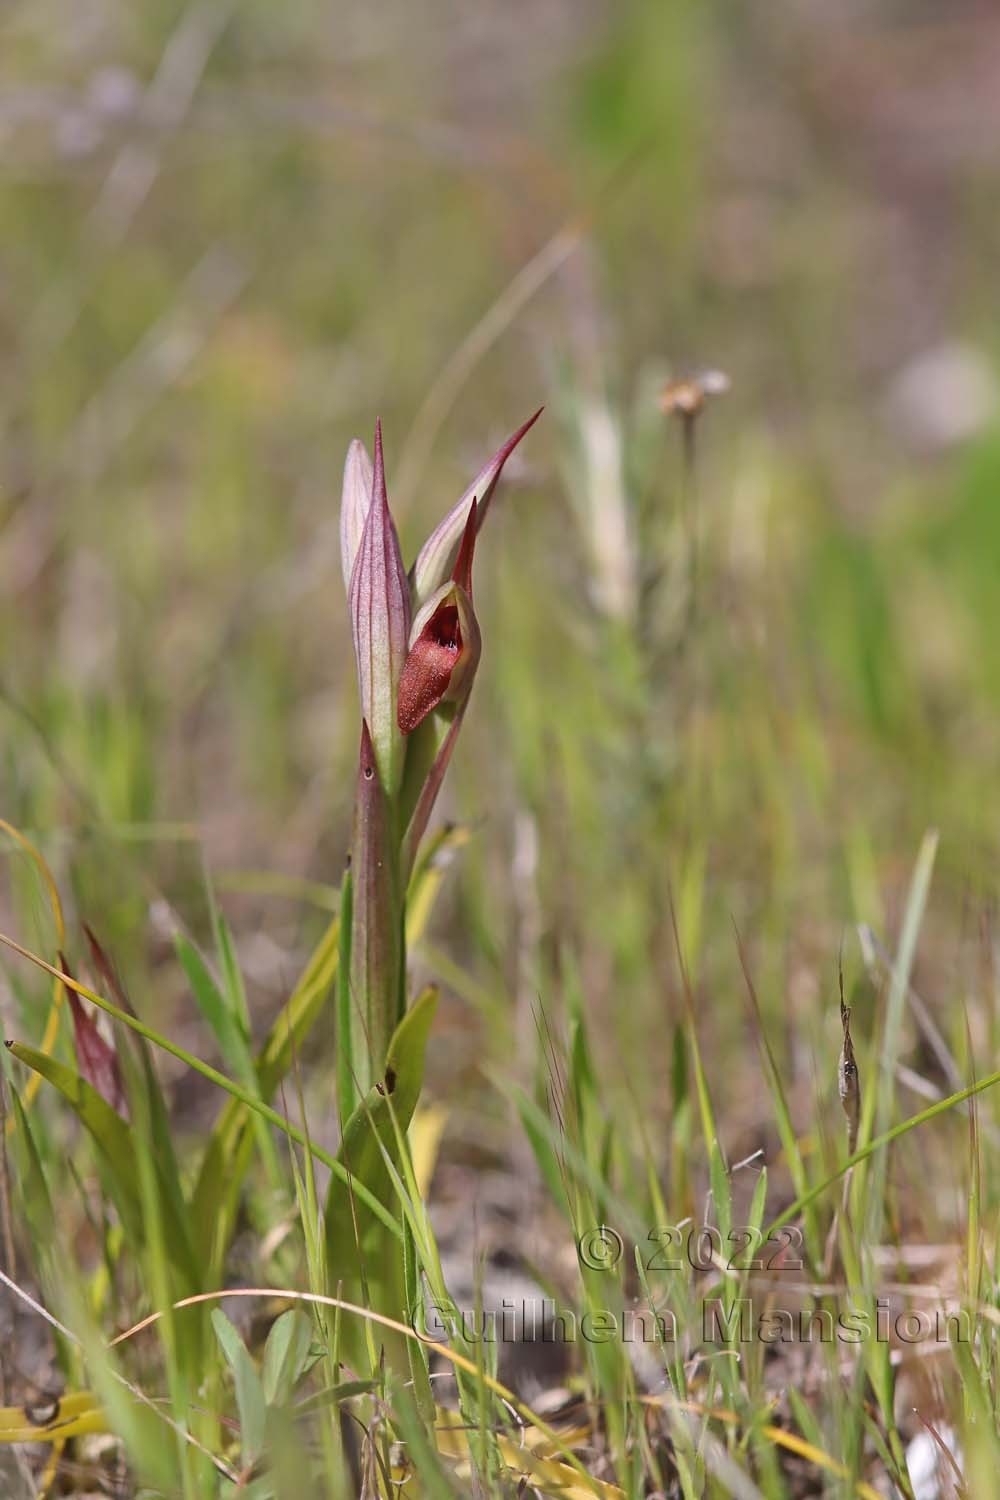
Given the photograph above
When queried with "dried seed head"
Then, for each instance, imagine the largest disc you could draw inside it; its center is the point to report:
(848, 1080)
(686, 398)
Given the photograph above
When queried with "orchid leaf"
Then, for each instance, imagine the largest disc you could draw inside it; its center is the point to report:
(355, 1239)
(370, 1136)
(228, 1154)
(117, 1145)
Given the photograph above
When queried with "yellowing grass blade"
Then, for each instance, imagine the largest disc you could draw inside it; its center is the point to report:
(72, 1415)
(426, 1130)
(428, 878)
(792, 1443)
(526, 1458)
(779, 1436)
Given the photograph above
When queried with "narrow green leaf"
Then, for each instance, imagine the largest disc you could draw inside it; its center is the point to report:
(176, 1219)
(112, 1136)
(347, 1094)
(250, 1402)
(236, 995)
(285, 1355)
(37, 1201)
(879, 1100)
(359, 1255)
(940, 1107)
(718, 1175)
(117, 1144)
(215, 1009)
(333, 1395)
(433, 1476)
(759, 1201)
(205, 1070)
(783, 1120)
(216, 1195)
(805, 1418)
(546, 1160)
(369, 1133)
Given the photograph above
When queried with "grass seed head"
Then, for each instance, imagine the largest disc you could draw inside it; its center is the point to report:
(848, 1080)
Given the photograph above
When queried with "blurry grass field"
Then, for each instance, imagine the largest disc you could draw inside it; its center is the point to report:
(736, 731)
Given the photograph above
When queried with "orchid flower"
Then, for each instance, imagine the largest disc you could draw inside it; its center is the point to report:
(417, 646)
(445, 643)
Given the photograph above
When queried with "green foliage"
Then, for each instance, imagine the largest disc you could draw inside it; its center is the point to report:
(116, 1141)
(251, 1403)
(370, 1151)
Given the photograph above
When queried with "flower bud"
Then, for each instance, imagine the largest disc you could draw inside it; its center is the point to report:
(436, 557)
(355, 500)
(380, 622)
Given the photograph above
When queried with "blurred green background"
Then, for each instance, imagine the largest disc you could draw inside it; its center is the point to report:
(234, 233)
